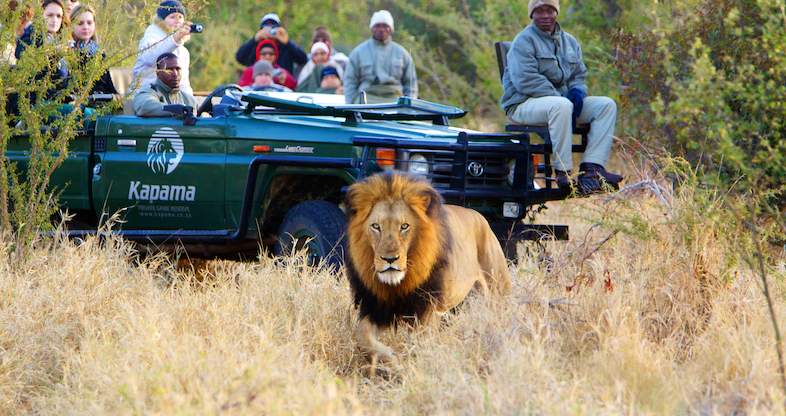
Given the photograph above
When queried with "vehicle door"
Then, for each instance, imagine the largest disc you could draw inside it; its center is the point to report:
(160, 174)
(71, 180)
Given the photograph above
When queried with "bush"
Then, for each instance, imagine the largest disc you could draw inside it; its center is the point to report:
(710, 85)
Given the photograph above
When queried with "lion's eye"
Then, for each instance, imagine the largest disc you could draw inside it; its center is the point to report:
(375, 227)
(404, 227)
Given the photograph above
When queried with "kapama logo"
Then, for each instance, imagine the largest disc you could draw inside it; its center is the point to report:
(164, 151)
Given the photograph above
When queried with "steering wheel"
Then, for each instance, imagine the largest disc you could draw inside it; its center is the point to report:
(207, 105)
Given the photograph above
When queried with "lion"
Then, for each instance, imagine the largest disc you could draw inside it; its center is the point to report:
(411, 257)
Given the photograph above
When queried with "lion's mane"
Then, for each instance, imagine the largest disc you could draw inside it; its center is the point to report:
(422, 285)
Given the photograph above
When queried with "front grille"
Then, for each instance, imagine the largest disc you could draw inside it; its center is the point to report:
(99, 144)
(494, 174)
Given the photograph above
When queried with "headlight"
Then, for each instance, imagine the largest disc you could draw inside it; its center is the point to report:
(511, 170)
(417, 164)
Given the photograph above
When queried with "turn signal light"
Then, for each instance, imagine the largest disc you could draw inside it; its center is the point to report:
(386, 158)
(262, 148)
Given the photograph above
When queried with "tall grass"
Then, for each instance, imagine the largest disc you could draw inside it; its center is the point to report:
(659, 318)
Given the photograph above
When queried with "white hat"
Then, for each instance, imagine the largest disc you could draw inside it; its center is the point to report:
(320, 46)
(382, 16)
(270, 16)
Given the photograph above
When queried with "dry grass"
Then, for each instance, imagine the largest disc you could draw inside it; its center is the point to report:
(660, 319)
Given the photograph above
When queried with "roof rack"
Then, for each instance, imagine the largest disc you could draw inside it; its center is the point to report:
(404, 109)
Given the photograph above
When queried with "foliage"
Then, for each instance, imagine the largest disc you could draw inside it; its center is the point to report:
(709, 84)
(42, 125)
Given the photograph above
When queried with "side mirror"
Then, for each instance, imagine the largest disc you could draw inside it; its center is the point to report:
(186, 112)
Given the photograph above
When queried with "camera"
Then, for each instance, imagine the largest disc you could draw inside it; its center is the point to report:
(273, 31)
(197, 28)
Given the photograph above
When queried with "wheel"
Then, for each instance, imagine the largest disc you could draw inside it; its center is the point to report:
(319, 228)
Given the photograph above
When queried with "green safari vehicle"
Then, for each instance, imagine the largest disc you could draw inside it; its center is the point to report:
(271, 170)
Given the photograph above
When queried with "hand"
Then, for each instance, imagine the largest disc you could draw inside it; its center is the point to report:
(282, 78)
(183, 34)
(282, 36)
(576, 96)
(263, 33)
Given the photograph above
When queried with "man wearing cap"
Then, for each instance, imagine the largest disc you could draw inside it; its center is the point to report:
(380, 67)
(289, 53)
(544, 84)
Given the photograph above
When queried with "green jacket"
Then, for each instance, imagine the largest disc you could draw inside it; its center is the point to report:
(151, 99)
(541, 65)
(312, 82)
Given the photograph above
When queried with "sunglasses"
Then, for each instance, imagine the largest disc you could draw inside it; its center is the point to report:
(267, 54)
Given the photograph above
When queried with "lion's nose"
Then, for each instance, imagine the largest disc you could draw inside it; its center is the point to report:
(390, 259)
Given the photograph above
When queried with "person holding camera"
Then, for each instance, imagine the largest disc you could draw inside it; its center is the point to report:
(267, 50)
(270, 29)
(168, 34)
(151, 98)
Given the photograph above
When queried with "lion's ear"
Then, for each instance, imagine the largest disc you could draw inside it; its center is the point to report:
(358, 200)
(433, 201)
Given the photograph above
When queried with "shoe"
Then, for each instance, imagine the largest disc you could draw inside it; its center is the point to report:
(563, 180)
(611, 178)
(589, 183)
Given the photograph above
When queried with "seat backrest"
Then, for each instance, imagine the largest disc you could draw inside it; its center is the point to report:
(502, 56)
(121, 78)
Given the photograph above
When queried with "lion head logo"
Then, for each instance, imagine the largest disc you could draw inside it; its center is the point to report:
(164, 151)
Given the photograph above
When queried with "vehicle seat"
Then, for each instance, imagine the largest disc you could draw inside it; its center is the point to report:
(121, 78)
(542, 131)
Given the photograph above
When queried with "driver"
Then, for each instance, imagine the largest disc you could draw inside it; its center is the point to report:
(151, 99)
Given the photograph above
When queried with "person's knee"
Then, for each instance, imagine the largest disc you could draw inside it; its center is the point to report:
(561, 106)
(608, 104)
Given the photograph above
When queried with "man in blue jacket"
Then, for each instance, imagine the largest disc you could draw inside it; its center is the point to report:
(544, 84)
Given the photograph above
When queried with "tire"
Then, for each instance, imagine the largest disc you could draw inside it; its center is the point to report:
(317, 226)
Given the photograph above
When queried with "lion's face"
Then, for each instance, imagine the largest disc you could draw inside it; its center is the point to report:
(394, 233)
(391, 227)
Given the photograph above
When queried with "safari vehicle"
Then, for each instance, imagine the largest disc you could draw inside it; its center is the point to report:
(272, 171)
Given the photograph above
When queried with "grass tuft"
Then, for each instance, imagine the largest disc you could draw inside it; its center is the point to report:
(647, 310)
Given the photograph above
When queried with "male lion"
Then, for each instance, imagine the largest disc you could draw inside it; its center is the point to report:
(411, 257)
